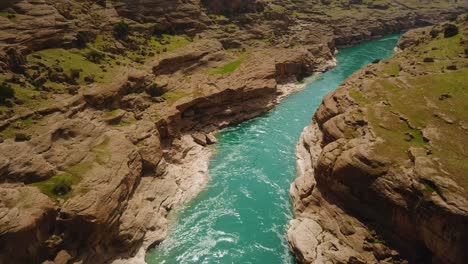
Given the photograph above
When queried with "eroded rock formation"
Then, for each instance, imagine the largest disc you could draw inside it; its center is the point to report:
(98, 101)
(378, 165)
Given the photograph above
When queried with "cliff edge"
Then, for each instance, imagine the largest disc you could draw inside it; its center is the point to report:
(382, 168)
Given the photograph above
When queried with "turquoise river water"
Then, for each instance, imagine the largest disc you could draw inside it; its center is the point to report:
(242, 216)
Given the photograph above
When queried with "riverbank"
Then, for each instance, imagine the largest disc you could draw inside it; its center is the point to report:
(250, 173)
(377, 181)
(321, 230)
(94, 104)
(196, 159)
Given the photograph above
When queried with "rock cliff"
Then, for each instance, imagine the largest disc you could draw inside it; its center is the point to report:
(381, 166)
(105, 106)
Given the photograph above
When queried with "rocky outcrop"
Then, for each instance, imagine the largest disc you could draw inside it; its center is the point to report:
(234, 7)
(25, 215)
(118, 159)
(244, 94)
(373, 175)
(33, 25)
(168, 16)
(324, 231)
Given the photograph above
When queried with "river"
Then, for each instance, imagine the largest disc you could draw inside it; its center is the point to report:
(242, 216)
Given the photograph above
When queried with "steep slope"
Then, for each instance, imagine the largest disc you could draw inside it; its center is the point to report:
(383, 162)
(99, 99)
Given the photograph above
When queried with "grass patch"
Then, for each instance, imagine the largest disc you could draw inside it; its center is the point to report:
(174, 96)
(28, 95)
(102, 152)
(71, 60)
(392, 69)
(112, 114)
(228, 68)
(155, 46)
(358, 97)
(18, 126)
(400, 108)
(70, 178)
(9, 16)
(62, 185)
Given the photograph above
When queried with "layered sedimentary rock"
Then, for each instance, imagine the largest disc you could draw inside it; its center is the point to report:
(99, 101)
(379, 165)
(168, 16)
(116, 149)
(33, 25)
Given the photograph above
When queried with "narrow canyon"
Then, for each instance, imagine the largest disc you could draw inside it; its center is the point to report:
(130, 130)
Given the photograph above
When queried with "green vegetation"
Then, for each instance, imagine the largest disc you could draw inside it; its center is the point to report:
(6, 92)
(95, 56)
(121, 30)
(154, 90)
(425, 107)
(228, 68)
(18, 126)
(73, 61)
(12, 17)
(173, 96)
(75, 74)
(429, 188)
(219, 18)
(392, 69)
(358, 97)
(277, 8)
(101, 151)
(28, 96)
(62, 185)
(147, 47)
(113, 113)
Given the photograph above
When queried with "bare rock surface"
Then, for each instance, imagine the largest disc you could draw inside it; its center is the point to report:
(100, 99)
(25, 215)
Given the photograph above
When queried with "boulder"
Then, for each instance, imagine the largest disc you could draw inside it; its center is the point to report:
(200, 138)
(27, 219)
(211, 139)
(151, 152)
(450, 30)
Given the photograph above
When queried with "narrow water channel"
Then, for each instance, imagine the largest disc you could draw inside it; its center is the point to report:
(243, 214)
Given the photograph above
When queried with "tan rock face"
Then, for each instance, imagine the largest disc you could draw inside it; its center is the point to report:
(234, 7)
(168, 15)
(112, 153)
(26, 216)
(127, 172)
(35, 25)
(361, 169)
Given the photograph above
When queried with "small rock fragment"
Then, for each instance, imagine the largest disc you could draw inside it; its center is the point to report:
(199, 138)
(450, 30)
(211, 139)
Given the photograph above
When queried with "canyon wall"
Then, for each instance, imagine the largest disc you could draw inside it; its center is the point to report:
(105, 106)
(378, 167)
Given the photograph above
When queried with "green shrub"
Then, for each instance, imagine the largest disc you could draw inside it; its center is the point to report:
(121, 30)
(75, 74)
(62, 187)
(6, 92)
(155, 91)
(95, 56)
